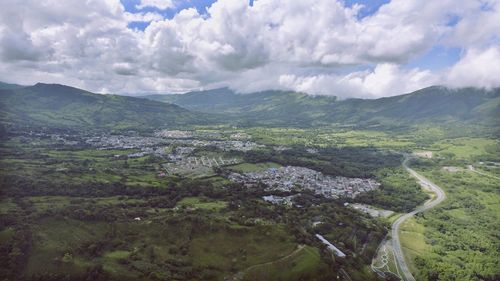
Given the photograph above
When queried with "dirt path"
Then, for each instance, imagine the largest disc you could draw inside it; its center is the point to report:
(239, 276)
(472, 169)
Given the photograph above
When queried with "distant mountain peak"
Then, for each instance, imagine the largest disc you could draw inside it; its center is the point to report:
(431, 104)
(61, 106)
(10, 86)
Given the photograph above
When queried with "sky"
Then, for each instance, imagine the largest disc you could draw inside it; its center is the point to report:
(345, 48)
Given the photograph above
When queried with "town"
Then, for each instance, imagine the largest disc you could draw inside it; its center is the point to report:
(184, 154)
(237, 142)
(291, 177)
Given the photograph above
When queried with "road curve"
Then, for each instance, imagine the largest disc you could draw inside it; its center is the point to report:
(396, 244)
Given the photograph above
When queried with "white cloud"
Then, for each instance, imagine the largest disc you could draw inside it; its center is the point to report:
(159, 4)
(384, 80)
(315, 46)
(143, 17)
(478, 25)
(478, 68)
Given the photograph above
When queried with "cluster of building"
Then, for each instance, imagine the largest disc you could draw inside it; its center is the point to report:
(123, 142)
(312, 150)
(155, 145)
(182, 162)
(157, 151)
(240, 136)
(291, 177)
(174, 134)
(196, 165)
(128, 142)
(225, 145)
(279, 200)
(61, 139)
(178, 134)
(236, 145)
(35, 138)
(180, 153)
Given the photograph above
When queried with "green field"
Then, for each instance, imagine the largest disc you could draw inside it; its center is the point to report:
(301, 263)
(399, 192)
(412, 237)
(461, 231)
(70, 246)
(330, 136)
(465, 148)
(87, 166)
(201, 203)
(85, 211)
(250, 167)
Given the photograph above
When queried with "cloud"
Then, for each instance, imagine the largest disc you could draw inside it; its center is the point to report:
(478, 68)
(384, 80)
(159, 4)
(19, 47)
(124, 68)
(143, 17)
(477, 26)
(315, 46)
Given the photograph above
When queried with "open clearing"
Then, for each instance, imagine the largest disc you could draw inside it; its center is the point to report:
(413, 243)
(250, 167)
(201, 203)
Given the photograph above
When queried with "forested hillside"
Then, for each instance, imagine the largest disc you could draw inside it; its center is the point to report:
(429, 105)
(53, 105)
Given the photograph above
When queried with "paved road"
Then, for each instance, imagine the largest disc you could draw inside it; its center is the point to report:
(440, 196)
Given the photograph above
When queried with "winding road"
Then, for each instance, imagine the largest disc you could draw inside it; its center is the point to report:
(396, 244)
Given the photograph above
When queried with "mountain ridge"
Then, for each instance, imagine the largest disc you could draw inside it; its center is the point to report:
(55, 105)
(9, 86)
(431, 104)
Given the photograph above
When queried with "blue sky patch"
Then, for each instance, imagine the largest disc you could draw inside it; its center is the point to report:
(437, 58)
(370, 6)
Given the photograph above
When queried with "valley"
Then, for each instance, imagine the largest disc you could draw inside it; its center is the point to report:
(101, 189)
(249, 140)
(223, 201)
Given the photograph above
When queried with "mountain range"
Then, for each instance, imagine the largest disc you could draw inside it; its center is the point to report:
(429, 105)
(60, 106)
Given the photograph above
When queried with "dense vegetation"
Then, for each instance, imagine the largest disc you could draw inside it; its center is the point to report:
(463, 232)
(461, 235)
(74, 212)
(58, 106)
(399, 192)
(276, 108)
(68, 213)
(347, 161)
(52, 105)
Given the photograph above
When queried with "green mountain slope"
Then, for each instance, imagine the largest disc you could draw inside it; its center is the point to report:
(53, 105)
(262, 108)
(8, 86)
(429, 105)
